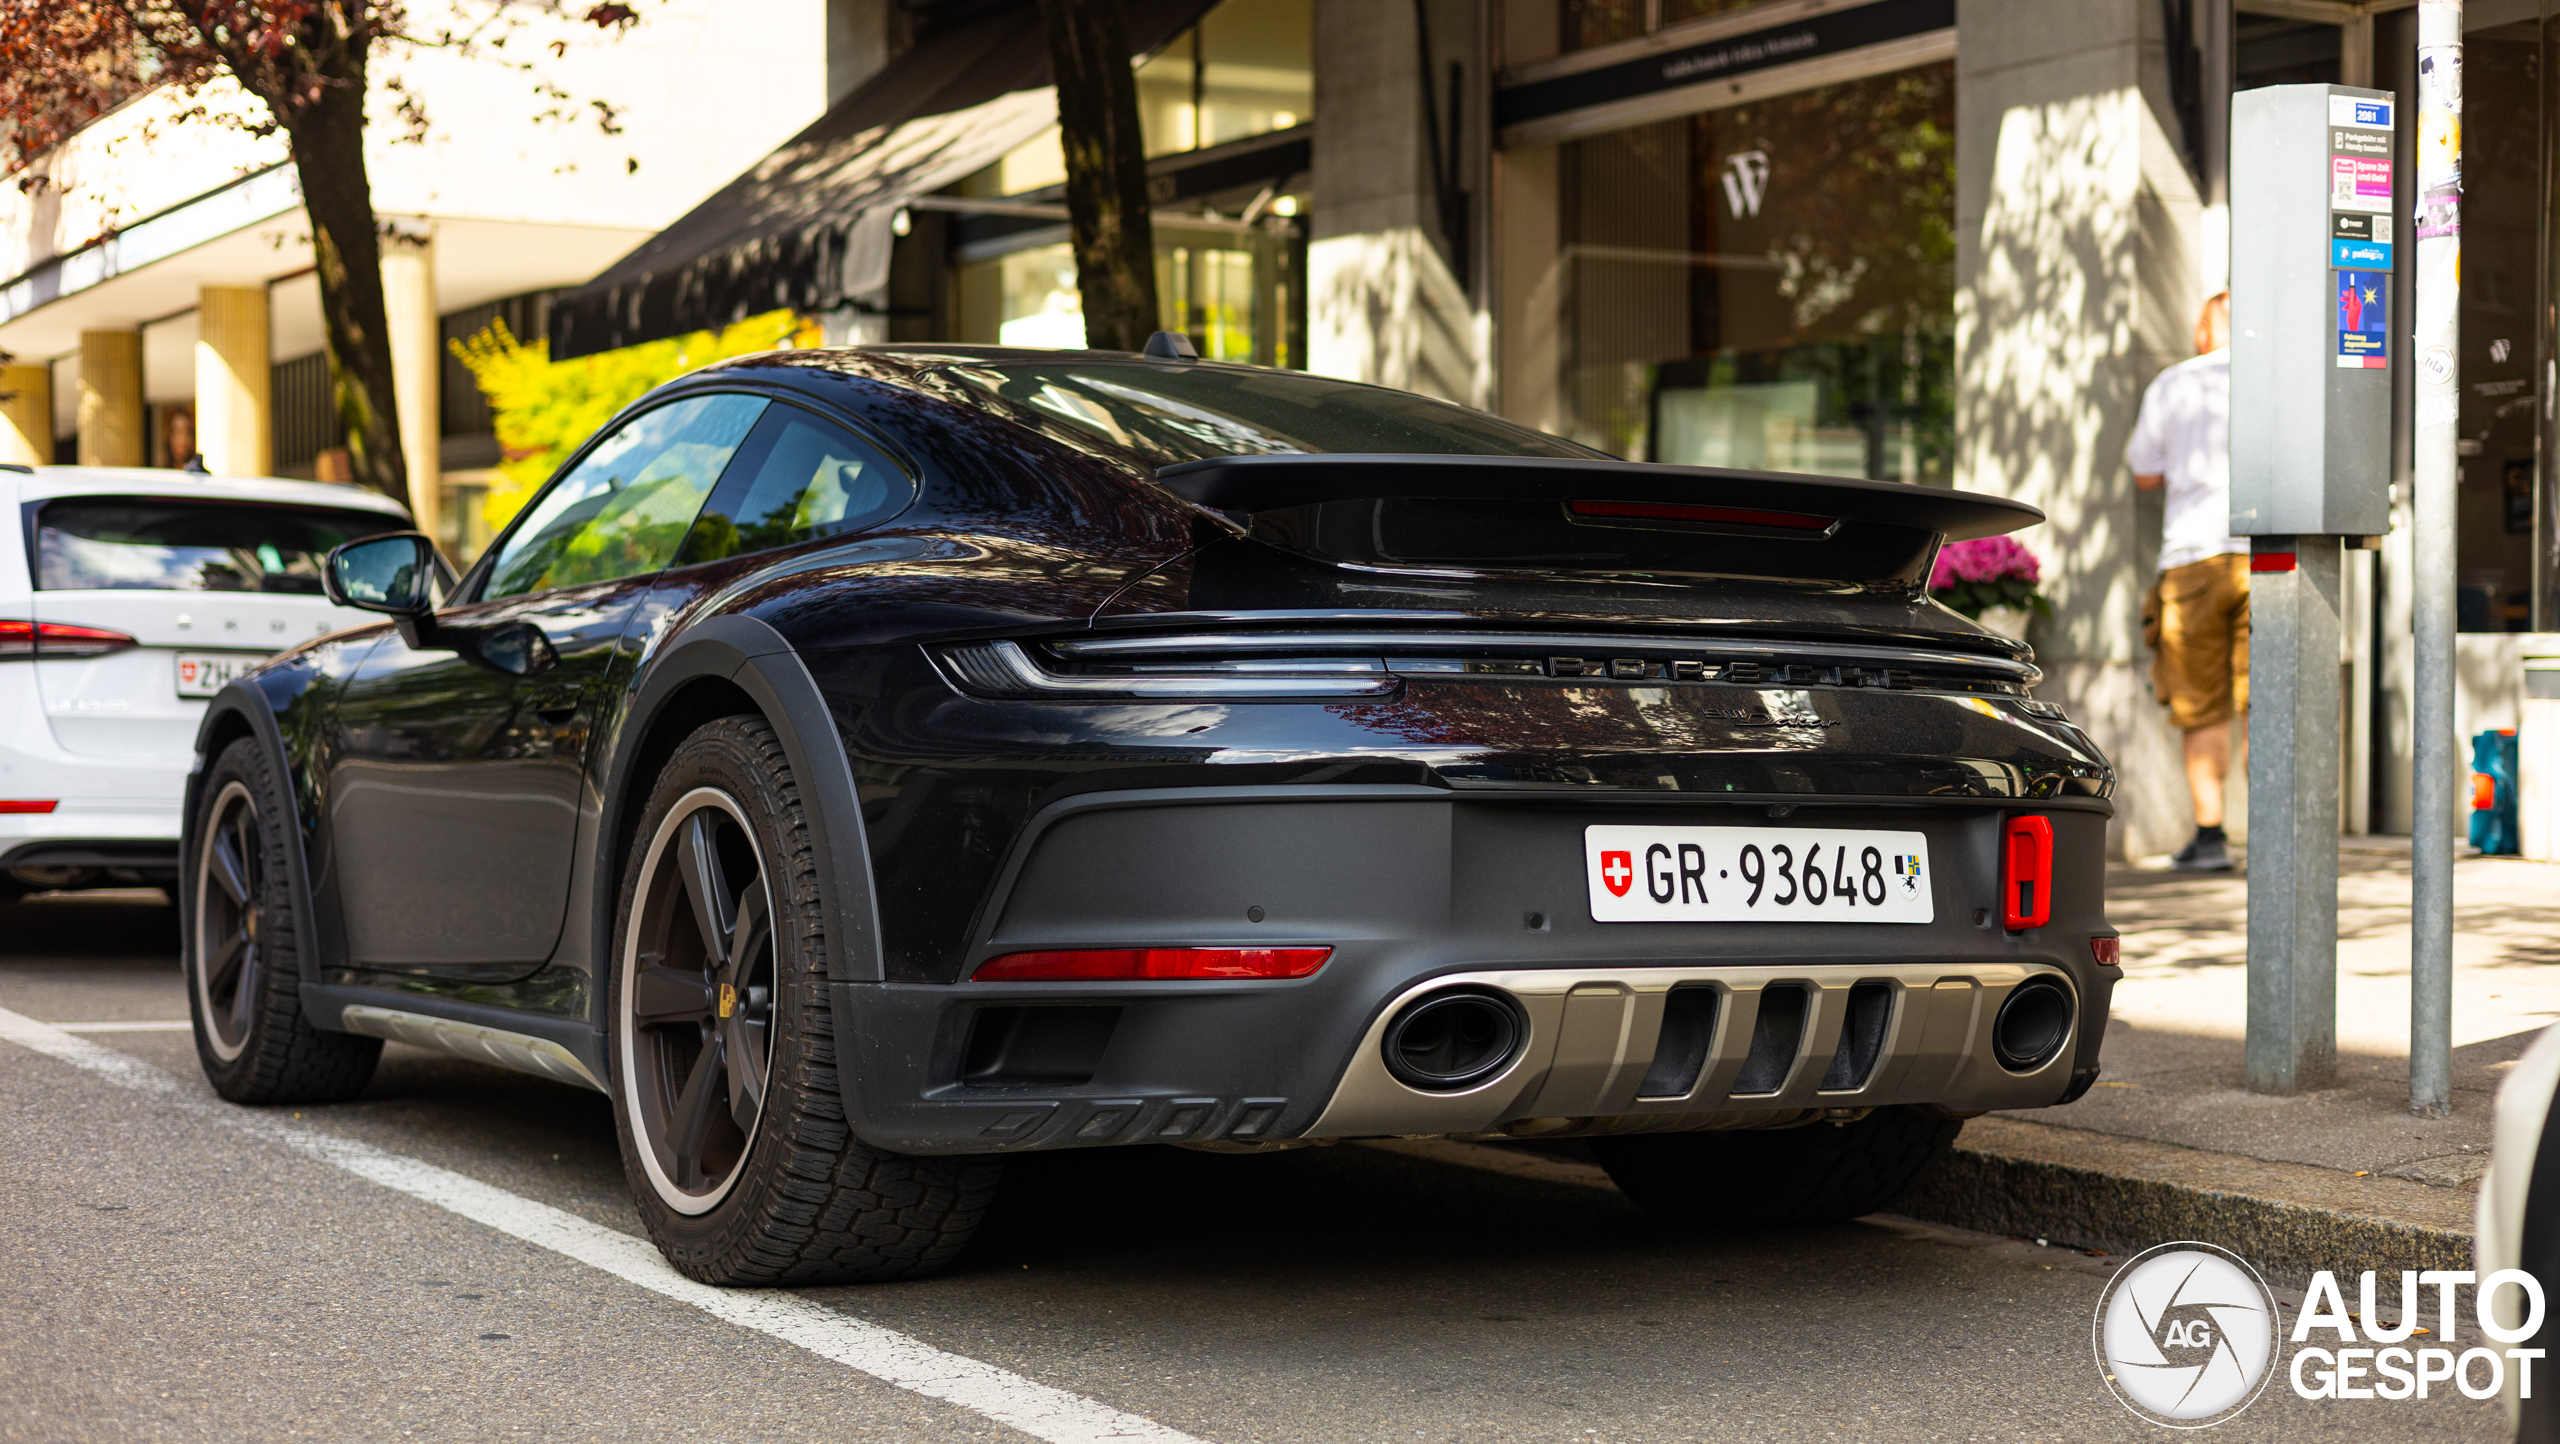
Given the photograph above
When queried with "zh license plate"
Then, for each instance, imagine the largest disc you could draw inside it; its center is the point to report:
(1757, 874)
(201, 674)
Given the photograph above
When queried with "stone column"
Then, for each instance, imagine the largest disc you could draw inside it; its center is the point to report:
(111, 426)
(26, 415)
(417, 368)
(2077, 280)
(1384, 304)
(233, 422)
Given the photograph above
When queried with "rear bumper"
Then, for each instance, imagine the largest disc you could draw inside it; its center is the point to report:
(1417, 891)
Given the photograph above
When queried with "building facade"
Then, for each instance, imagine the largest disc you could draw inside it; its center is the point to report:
(1944, 242)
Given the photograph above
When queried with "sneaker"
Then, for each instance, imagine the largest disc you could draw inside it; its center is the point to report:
(2203, 854)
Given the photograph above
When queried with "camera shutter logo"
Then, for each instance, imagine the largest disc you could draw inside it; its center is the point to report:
(2186, 1334)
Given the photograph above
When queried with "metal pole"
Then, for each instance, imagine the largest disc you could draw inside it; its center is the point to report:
(2292, 1036)
(2436, 344)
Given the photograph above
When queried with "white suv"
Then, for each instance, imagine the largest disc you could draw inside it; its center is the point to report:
(128, 597)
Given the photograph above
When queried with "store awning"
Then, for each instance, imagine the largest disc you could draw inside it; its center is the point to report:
(808, 229)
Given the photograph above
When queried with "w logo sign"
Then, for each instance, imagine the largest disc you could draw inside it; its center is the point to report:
(1746, 180)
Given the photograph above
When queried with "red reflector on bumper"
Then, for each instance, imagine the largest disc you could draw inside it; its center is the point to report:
(25, 805)
(1121, 964)
(2026, 872)
(2105, 950)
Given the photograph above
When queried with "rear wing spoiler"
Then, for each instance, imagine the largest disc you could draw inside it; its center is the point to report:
(1265, 483)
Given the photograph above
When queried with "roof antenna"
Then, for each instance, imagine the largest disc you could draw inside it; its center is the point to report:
(195, 466)
(1171, 346)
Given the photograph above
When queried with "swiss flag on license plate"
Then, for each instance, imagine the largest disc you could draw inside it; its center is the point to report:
(1618, 872)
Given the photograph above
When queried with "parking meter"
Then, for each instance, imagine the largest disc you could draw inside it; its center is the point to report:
(2313, 312)
(2316, 329)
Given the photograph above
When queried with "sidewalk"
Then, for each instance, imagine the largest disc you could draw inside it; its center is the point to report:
(2169, 1144)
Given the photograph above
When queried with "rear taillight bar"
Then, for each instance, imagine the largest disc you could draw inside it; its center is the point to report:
(1004, 669)
(14, 805)
(22, 640)
(2026, 873)
(1139, 964)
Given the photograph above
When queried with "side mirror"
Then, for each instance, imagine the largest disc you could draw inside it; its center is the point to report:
(394, 573)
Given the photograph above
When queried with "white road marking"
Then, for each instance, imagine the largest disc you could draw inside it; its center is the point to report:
(163, 1025)
(1008, 1398)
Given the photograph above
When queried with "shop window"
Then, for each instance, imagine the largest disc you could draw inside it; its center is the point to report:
(1767, 286)
(1228, 291)
(2276, 51)
(2507, 205)
(1248, 68)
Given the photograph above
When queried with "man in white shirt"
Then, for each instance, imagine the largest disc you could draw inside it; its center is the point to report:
(2197, 616)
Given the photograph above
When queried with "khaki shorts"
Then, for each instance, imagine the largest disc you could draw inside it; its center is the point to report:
(2196, 621)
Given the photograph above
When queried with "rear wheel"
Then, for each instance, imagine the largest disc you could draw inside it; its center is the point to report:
(724, 1064)
(1820, 1173)
(244, 977)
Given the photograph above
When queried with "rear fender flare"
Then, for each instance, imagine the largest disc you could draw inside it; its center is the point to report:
(753, 657)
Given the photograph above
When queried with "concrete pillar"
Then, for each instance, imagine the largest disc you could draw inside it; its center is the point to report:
(1384, 304)
(417, 367)
(26, 415)
(111, 426)
(233, 423)
(2076, 282)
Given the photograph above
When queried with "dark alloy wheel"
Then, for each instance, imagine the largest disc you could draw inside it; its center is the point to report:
(244, 979)
(231, 886)
(698, 1034)
(725, 1084)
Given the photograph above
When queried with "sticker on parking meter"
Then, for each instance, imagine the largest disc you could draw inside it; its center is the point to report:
(2360, 183)
(2361, 241)
(2362, 333)
(2367, 114)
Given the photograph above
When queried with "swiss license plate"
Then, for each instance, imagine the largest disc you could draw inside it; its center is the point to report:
(1757, 874)
(201, 674)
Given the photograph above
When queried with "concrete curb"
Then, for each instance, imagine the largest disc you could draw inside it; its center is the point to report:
(2095, 1190)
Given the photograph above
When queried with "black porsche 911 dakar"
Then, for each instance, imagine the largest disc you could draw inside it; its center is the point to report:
(865, 764)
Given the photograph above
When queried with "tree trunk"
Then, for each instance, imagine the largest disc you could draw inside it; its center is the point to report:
(1106, 170)
(328, 154)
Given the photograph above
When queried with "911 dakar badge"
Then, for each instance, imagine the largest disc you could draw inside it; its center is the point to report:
(2186, 1334)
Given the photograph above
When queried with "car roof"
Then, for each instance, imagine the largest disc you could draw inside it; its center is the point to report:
(40, 482)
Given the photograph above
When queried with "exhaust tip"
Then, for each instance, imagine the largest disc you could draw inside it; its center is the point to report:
(1451, 1041)
(2033, 1024)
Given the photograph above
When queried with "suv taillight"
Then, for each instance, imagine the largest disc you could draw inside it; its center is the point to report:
(20, 640)
(2026, 872)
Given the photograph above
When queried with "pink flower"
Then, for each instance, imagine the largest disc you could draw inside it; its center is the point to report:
(1988, 559)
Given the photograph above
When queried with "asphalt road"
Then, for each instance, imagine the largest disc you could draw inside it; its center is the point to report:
(174, 1268)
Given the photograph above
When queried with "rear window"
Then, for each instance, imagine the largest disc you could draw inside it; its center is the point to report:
(116, 543)
(1162, 415)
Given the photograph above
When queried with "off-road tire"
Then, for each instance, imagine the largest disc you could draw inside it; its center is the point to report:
(283, 1058)
(811, 1203)
(1820, 1173)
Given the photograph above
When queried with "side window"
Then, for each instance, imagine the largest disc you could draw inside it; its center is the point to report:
(799, 479)
(623, 509)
